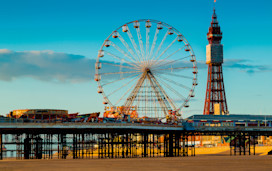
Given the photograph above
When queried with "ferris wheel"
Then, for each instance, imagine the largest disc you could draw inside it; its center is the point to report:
(147, 67)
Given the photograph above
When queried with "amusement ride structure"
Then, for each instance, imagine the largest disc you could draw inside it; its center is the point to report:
(215, 101)
(146, 68)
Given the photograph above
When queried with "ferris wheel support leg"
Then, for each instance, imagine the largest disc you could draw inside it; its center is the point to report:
(164, 93)
(121, 87)
(159, 97)
(134, 93)
(173, 90)
(126, 93)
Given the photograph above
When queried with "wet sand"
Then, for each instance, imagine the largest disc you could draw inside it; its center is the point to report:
(181, 163)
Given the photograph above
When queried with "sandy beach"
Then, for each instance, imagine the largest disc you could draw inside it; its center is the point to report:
(181, 163)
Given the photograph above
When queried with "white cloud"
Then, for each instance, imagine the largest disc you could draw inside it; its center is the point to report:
(239, 64)
(45, 65)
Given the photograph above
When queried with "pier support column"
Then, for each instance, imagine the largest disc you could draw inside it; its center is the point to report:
(38, 147)
(75, 149)
(111, 143)
(254, 143)
(27, 147)
(1, 147)
(192, 145)
(185, 144)
(145, 144)
(63, 146)
(170, 154)
(242, 143)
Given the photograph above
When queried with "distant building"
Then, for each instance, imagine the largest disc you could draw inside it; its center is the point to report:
(250, 121)
(38, 114)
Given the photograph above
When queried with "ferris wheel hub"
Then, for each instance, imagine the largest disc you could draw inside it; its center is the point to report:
(145, 68)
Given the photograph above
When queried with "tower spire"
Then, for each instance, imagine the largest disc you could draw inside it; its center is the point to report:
(214, 35)
(214, 17)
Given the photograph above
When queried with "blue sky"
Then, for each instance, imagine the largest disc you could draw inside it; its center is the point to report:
(70, 32)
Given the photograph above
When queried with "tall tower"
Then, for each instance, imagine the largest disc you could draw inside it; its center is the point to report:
(215, 101)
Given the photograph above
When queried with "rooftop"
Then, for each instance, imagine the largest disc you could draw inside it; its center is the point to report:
(231, 117)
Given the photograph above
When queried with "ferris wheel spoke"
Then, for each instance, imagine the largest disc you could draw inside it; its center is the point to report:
(122, 66)
(172, 89)
(119, 79)
(170, 62)
(123, 52)
(127, 46)
(174, 82)
(133, 43)
(159, 48)
(173, 53)
(177, 75)
(124, 85)
(111, 73)
(157, 58)
(147, 42)
(121, 59)
(140, 41)
(154, 43)
(118, 101)
(178, 68)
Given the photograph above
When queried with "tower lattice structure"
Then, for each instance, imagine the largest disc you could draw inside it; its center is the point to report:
(215, 101)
